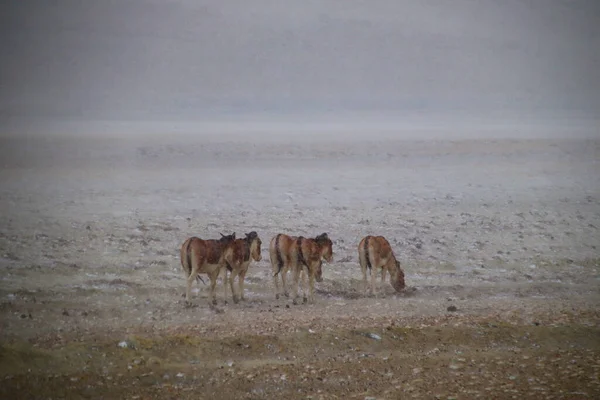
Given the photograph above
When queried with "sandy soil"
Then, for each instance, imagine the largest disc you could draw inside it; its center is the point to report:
(498, 240)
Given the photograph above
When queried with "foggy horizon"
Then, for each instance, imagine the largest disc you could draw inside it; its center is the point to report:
(387, 62)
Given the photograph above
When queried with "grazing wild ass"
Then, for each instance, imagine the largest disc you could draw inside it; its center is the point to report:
(375, 252)
(204, 256)
(299, 254)
(237, 260)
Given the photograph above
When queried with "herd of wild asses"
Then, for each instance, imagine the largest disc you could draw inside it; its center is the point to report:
(298, 254)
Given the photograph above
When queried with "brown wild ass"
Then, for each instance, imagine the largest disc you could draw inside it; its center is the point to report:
(299, 254)
(375, 252)
(204, 256)
(237, 260)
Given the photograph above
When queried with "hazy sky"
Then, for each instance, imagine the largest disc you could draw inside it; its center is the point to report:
(192, 59)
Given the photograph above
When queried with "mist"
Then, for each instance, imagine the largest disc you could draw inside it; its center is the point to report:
(181, 65)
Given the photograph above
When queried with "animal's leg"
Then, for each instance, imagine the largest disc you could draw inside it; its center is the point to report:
(296, 271)
(373, 273)
(383, 273)
(225, 283)
(362, 259)
(241, 278)
(276, 273)
(305, 288)
(234, 273)
(311, 281)
(364, 274)
(190, 282)
(213, 285)
(286, 291)
(276, 283)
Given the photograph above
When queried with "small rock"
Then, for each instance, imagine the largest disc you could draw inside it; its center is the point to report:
(123, 344)
(374, 336)
(65, 312)
(180, 375)
(452, 308)
(230, 363)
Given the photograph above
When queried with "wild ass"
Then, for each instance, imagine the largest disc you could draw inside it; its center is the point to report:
(375, 252)
(237, 260)
(204, 256)
(299, 254)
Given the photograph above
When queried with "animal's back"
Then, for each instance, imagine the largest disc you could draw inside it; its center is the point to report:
(382, 246)
(373, 247)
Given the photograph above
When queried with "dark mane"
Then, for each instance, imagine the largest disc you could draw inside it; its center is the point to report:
(322, 238)
(227, 238)
(251, 236)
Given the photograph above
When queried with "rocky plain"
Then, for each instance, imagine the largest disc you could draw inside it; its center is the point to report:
(498, 238)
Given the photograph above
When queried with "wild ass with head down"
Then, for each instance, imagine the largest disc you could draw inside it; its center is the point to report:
(299, 254)
(237, 260)
(375, 252)
(204, 256)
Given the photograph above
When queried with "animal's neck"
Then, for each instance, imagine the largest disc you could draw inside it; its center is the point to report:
(392, 267)
(301, 259)
(247, 248)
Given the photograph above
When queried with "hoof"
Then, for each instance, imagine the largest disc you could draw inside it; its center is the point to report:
(295, 302)
(187, 304)
(214, 302)
(286, 294)
(236, 300)
(277, 296)
(304, 300)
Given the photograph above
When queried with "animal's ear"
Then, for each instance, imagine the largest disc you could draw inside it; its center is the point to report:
(221, 234)
(233, 235)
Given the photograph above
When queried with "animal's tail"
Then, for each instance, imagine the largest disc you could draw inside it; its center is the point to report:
(188, 253)
(278, 255)
(367, 258)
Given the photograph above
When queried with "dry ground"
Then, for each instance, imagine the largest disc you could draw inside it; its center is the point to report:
(498, 239)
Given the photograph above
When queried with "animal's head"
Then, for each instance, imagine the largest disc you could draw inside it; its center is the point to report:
(326, 247)
(398, 278)
(255, 245)
(227, 239)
